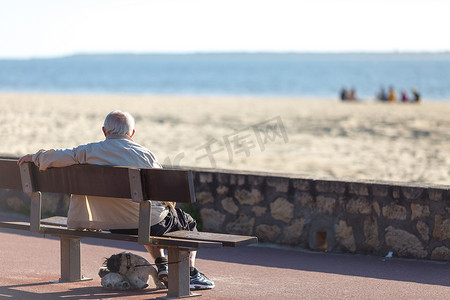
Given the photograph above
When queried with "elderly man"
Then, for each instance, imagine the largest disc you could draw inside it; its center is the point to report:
(114, 214)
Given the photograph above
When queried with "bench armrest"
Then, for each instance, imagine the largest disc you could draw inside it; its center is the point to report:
(145, 207)
(36, 197)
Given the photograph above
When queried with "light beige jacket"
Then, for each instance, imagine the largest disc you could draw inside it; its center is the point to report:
(100, 212)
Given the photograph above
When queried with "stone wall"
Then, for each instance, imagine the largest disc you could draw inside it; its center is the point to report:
(326, 215)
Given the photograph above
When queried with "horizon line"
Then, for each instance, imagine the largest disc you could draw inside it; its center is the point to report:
(175, 53)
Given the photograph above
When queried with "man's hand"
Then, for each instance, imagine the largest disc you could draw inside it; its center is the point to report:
(26, 158)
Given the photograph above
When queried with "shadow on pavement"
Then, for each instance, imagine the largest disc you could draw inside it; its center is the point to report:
(398, 269)
(17, 292)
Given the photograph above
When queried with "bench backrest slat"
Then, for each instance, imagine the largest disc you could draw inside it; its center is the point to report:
(10, 175)
(157, 182)
(104, 181)
(89, 180)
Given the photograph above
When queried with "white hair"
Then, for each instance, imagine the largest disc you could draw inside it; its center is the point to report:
(119, 122)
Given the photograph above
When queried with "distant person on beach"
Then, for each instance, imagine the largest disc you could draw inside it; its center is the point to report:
(392, 95)
(114, 214)
(405, 97)
(344, 95)
(352, 95)
(416, 95)
(348, 95)
(382, 96)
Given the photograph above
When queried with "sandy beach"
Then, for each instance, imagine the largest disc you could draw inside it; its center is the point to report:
(309, 137)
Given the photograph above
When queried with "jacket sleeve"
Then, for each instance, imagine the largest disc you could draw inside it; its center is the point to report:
(45, 159)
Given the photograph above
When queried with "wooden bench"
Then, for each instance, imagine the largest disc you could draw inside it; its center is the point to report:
(139, 185)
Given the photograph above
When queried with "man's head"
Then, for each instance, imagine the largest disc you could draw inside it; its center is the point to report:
(118, 122)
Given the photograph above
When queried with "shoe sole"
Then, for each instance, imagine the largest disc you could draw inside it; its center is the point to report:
(195, 287)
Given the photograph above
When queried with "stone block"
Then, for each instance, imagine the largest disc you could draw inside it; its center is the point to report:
(419, 211)
(441, 253)
(394, 212)
(380, 190)
(222, 190)
(212, 219)
(282, 210)
(359, 189)
(445, 230)
(62, 205)
(204, 198)
(303, 199)
(242, 225)
(237, 179)
(437, 227)
(435, 195)
(359, 206)
(17, 204)
(424, 230)
(229, 206)
(344, 235)
(376, 208)
(331, 187)
(293, 232)
(412, 193)
(223, 178)
(246, 197)
(255, 180)
(371, 232)
(259, 210)
(50, 203)
(267, 233)
(326, 204)
(404, 243)
(281, 185)
(303, 185)
(396, 192)
(205, 177)
(441, 229)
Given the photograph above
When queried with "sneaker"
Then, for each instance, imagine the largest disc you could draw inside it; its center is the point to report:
(163, 270)
(199, 281)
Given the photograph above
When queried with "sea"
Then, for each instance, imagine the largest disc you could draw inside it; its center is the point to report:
(313, 75)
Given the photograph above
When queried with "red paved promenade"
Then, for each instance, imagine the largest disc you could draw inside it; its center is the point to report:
(30, 263)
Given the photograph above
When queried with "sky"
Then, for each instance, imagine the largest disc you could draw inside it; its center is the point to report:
(53, 28)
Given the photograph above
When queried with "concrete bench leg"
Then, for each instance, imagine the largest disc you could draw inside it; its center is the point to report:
(70, 259)
(35, 212)
(179, 274)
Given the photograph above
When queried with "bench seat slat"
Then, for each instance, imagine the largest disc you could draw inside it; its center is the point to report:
(160, 241)
(227, 240)
(56, 221)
